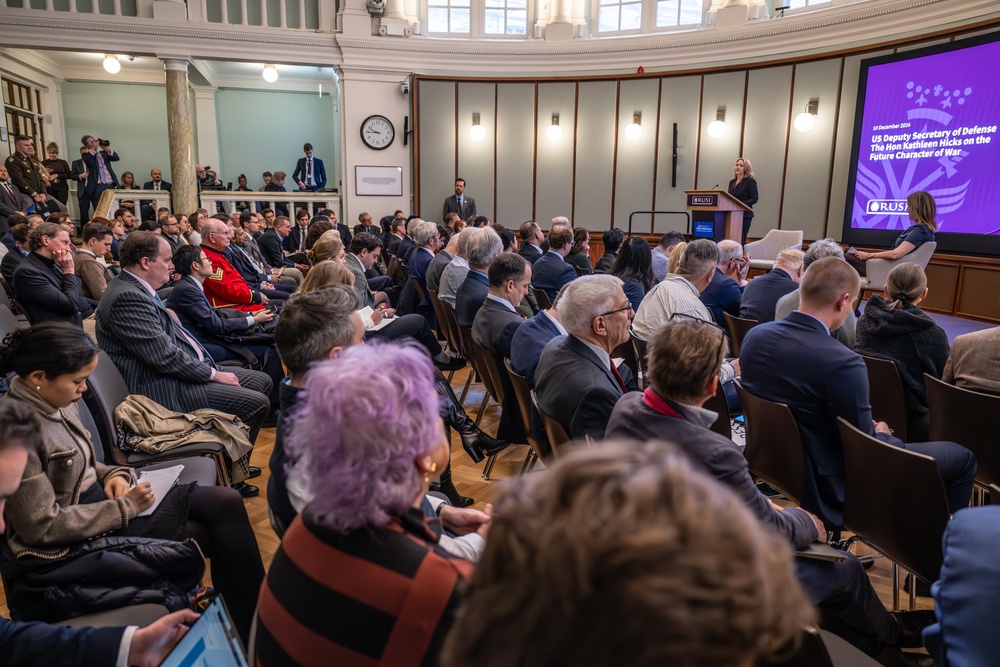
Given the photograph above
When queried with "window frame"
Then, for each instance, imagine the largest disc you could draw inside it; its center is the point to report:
(477, 22)
(19, 116)
(647, 20)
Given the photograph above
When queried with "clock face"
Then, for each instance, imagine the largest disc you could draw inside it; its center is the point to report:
(377, 132)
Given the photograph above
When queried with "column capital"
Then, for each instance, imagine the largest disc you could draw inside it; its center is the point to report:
(175, 63)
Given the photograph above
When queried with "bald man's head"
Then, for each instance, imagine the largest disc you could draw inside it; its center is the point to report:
(826, 281)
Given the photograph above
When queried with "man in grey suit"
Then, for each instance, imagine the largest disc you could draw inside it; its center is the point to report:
(157, 357)
(459, 203)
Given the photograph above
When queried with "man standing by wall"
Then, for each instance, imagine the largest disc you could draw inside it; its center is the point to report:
(98, 158)
(459, 203)
(26, 172)
(309, 172)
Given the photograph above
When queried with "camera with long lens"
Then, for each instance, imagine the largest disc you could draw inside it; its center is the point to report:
(103, 142)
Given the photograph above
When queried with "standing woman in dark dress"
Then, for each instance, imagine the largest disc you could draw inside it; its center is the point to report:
(744, 188)
(58, 170)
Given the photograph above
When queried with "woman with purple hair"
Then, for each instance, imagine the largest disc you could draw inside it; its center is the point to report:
(359, 577)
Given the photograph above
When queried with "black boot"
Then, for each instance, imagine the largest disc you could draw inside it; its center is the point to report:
(477, 443)
(447, 487)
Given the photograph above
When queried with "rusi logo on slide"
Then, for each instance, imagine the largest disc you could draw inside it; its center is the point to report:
(886, 206)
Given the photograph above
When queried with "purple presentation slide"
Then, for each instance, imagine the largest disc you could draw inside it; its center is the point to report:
(931, 123)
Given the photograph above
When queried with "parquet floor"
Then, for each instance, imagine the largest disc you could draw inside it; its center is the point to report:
(468, 478)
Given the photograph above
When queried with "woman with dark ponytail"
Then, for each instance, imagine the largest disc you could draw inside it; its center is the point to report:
(894, 328)
(68, 497)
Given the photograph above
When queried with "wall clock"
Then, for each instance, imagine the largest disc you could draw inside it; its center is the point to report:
(377, 132)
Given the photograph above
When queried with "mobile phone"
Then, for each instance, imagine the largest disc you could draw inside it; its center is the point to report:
(272, 309)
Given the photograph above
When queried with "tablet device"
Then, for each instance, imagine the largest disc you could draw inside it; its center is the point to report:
(211, 642)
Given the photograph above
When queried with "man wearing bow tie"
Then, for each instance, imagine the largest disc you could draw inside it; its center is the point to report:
(459, 203)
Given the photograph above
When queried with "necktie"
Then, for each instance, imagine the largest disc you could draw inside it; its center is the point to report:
(459, 203)
(10, 193)
(618, 377)
(156, 186)
(103, 175)
(309, 172)
(302, 239)
(188, 338)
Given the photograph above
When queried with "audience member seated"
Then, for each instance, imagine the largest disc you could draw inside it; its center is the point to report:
(974, 362)
(294, 244)
(252, 225)
(761, 295)
(684, 361)
(724, 293)
(786, 304)
(795, 361)
(342, 229)
(678, 292)
(634, 268)
(156, 356)
(893, 327)
(923, 214)
(12, 221)
(226, 288)
(117, 234)
(318, 226)
(583, 562)
(397, 232)
(531, 338)
(365, 253)
(45, 282)
(661, 254)
(576, 382)
(428, 241)
(579, 254)
(613, 239)
(171, 230)
(458, 268)
(484, 247)
(217, 334)
(440, 263)
(365, 448)
(407, 245)
(32, 644)
(531, 241)
(20, 233)
(316, 327)
(493, 330)
(366, 224)
(271, 245)
(89, 261)
(964, 601)
(551, 271)
(256, 275)
(59, 507)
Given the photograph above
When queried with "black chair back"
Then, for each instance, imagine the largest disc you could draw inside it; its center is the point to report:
(544, 302)
(738, 328)
(885, 393)
(442, 320)
(639, 344)
(106, 389)
(966, 417)
(523, 394)
(9, 322)
(87, 419)
(774, 448)
(894, 500)
(717, 403)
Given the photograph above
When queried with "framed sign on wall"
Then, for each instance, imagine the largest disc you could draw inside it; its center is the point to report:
(378, 181)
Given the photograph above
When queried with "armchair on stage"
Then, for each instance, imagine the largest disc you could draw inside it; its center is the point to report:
(715, 214)
(877, 270)
(765, 251)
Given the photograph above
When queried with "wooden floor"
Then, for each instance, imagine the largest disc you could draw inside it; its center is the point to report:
(468, 478)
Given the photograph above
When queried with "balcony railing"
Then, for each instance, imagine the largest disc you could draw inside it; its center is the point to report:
(311, 201)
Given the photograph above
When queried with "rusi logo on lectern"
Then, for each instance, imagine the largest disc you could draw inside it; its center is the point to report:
(703, 200)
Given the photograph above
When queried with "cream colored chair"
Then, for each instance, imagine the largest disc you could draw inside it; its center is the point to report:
(878, 269)
(765, 251)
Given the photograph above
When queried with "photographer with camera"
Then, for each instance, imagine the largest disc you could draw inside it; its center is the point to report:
(100, 176)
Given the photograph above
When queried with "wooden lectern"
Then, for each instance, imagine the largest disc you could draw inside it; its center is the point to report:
(723, 209)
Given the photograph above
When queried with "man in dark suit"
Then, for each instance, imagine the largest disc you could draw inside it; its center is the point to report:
(309, 173)
(484, 247)
(157, 357)
(532, 337)
(613, 239)
(100, 176)
(576, 381)
(724, 293)
(761, 295)
(45, 282)
(146, 210)
(202, 321)
(795, 361)
(531, 241)
(459, 203)
(428, 241)
(684, 361)
(551, 271)
(13, 258)
(366, 224)
(78, 172)
(271, 245)
(342, 229)
(397, 232)
(493, 330)
(441, 261)
(10, 196)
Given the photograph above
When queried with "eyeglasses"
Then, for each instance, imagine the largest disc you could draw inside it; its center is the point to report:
(617, 310)
(684, 317)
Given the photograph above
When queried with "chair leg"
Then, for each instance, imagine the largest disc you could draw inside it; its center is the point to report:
(895, 587)
(482, 408)
(451, 374)
(488, 468)
(912, 578)
(465, 390)
(528, 461)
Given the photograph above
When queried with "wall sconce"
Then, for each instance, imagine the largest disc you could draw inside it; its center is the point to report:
(634, 130)
(478, 132)
(718, 126)
(805, 120)
(554, 132)
(270, 73)
(111, 64)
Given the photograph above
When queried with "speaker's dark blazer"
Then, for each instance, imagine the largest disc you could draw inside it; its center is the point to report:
(574, 388)
(796, 362)
(530, 253)
(746, 192)
(470, 297)
(48, 296)
(493, 329)
(270, 245)
(551, 272)
(149, 348)
(451, 206)
(760, 296)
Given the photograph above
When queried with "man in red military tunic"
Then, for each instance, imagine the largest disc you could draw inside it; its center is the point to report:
(226, 288)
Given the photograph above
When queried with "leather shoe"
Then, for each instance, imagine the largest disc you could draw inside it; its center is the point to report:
(891, 656)
(911, 627)
(253, 471)
(271, 421)
(450, 363)
(246, 490)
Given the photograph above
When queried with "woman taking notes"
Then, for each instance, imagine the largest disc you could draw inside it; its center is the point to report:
(744, 188)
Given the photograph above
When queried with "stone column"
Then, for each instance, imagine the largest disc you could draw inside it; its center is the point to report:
(184, 192)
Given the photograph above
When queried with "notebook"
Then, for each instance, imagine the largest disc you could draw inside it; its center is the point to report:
(161, 481)
(211, 642)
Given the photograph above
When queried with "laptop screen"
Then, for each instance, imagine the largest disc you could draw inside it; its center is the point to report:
(211, 642)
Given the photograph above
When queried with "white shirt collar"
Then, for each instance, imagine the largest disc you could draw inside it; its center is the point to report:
(149, 288)
(562, 329)
(505, 302)
(599, 351)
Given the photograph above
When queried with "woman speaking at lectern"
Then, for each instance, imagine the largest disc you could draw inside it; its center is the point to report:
(744, 188)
